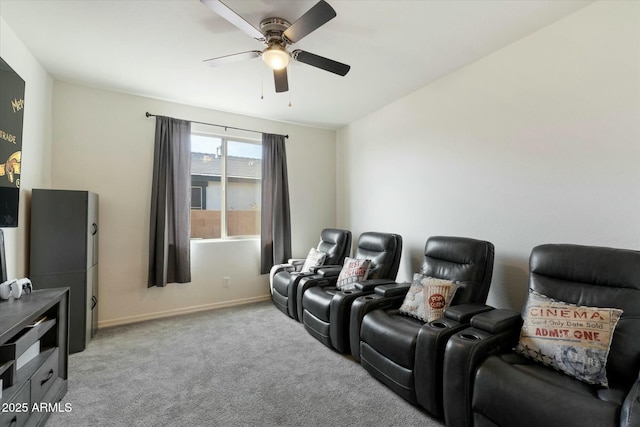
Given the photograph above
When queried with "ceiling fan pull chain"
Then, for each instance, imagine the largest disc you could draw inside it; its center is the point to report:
(289, 92)
(261, 69)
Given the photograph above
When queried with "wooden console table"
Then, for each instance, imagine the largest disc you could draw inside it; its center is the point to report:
(34, 348)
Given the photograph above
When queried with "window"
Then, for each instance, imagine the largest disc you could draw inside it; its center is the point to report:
(226, 178)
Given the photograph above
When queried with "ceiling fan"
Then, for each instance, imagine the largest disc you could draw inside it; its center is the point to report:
(277, 34)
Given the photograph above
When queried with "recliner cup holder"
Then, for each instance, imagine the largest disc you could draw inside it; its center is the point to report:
(368, 297)
(347, 292)
(439, 325)
(470, 337)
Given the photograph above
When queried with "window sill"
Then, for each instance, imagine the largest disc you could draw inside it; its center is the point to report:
(227, 240)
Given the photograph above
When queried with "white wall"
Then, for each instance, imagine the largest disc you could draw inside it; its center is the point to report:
(36, 143)
(104, 143)
(536, 143)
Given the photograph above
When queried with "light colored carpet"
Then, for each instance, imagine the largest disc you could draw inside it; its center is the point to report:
(240, 366)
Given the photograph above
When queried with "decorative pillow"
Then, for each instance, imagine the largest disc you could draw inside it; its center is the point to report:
(428, 297)
(314, 259)
(353, 270)
(569, 338)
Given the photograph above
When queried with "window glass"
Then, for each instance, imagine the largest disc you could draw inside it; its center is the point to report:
(219, 167)
(244, 169)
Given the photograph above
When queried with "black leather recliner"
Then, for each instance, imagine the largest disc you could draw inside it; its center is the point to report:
(507, 389)
(406, 353)
(285, 277)
(325, 310)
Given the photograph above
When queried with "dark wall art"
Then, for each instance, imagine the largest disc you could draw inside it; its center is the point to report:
(11, 119)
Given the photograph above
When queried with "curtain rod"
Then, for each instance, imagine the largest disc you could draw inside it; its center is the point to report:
(213, 124)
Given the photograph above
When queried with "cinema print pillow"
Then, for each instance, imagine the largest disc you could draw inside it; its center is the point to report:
(428, 297)
(569, 338)
(353, 271)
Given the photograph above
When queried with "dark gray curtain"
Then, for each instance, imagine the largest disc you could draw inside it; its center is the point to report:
(169, 239)
(275, 225)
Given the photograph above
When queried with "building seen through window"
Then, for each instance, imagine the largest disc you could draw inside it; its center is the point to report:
(225, 187)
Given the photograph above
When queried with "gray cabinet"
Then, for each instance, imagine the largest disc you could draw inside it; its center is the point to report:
(64, 252)
(38, 318)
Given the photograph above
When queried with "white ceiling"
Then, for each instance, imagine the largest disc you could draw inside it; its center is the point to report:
(156, 49)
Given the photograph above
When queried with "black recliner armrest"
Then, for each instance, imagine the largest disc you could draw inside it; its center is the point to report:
(490, 332)
(328, 270)
(393, 290)
(430, 348)
(369, 285)
(497, 321)
(300, 274)
(463, 313)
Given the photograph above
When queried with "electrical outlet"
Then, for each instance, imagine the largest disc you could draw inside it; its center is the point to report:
(226, 282)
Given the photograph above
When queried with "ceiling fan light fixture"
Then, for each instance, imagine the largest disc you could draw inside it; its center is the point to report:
(277, 34)
(276, 57)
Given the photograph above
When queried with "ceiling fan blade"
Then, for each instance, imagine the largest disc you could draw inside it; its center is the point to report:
(321, 62)
(227, 13)
(280, 78)
(315, 17)
(228, 59)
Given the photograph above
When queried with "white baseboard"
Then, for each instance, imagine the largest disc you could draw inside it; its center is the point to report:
(179, 311)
